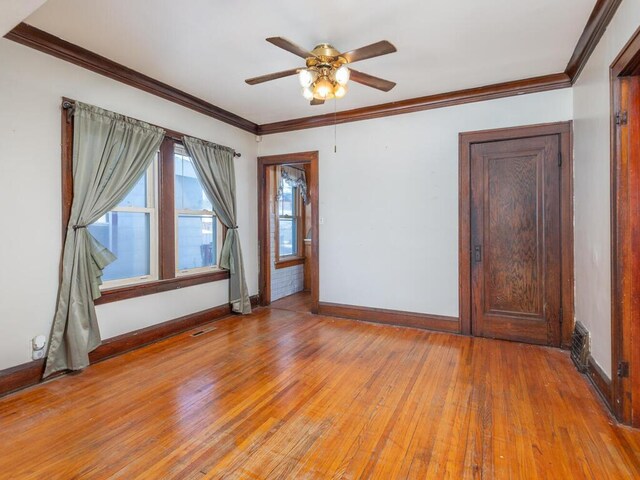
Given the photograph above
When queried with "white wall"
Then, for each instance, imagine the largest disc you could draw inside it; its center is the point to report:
(31, 87)
(592, 183)
(389, 199)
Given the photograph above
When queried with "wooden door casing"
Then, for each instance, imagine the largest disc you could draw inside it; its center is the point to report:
(516, 248)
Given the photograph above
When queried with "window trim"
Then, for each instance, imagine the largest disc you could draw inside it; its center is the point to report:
(166, 270)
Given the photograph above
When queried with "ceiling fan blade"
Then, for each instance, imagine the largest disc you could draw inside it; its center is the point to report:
(374, 50)
(371, 81)
(289, 46)
(271, 76)
(316, 101)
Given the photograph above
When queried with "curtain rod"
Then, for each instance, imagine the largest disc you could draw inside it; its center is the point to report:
(70, 105)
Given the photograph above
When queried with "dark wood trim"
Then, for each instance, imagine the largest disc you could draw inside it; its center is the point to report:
(459, 97)
(600, 381)
(565, 131)
(28, 374)
(59, 48)
(66, 122)
(166, 210)
(21, 376)
(625, 231)
(310, 158)
(289, 262)
(158, 286)
(391, 317)
(599, 19)
(627, 63)
(139, 338)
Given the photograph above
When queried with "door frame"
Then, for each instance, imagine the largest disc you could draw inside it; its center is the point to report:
(264, 242)
(625, 232)
(466, 140)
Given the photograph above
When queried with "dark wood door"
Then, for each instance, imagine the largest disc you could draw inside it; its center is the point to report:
(515, 240)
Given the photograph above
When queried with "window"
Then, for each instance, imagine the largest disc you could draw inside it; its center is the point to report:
(130, 232)
(289, 227)
(197, 231)
(288, 221)
(164, 232)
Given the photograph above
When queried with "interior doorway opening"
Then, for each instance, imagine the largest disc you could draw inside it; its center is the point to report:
(288, 231)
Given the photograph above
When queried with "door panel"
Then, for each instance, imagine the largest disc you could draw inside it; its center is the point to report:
(515, 228)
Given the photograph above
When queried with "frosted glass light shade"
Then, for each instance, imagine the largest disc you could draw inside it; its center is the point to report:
(342, 75)
(323, 89)
(305, 77)
(307, 93)
(340, 91)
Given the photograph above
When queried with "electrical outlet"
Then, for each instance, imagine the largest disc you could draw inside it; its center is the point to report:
(38, 344)
(37, 354)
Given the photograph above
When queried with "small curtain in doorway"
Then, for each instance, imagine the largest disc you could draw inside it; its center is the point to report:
(295, 177)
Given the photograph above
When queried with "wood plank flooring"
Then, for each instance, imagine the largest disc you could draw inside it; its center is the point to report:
(298, 302)
(287, 395)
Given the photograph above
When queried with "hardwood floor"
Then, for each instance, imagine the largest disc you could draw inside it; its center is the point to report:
(281, 394)
(298, 302)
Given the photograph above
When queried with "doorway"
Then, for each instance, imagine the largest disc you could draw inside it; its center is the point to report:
(516, 240)
(288, 230)
(625, 233)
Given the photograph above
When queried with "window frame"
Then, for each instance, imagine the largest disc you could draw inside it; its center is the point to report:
(152, 210)
(284, 261)
(178, 148)
(166, 231)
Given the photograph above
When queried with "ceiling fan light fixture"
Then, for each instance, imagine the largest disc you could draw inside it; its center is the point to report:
(342, 75)
(306, 77)
(323, 89)
(325, 74)
(340, 91)
(307, 93)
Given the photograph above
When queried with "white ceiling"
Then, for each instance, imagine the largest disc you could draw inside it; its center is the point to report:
(12, 12)
(208, 47)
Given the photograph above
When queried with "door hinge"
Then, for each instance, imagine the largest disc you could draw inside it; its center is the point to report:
(561, 317)
(622, 118)
(623, 369)
(559, 158)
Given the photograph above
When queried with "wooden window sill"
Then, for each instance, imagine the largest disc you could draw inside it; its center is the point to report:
(141, 289)
(289, 262)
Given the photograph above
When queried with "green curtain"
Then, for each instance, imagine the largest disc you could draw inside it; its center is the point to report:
(215, 169)
(110, 154)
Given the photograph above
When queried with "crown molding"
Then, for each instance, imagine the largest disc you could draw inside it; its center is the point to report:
(599, 19)
(459, 97)
(57, 47)
(598, 22)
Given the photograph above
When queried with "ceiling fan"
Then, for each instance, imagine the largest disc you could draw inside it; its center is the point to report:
(326, 73)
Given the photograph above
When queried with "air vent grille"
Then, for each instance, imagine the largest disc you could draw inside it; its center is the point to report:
(580, 347)
(202, 332)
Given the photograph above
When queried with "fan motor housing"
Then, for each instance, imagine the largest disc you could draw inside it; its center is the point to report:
(325, 56)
